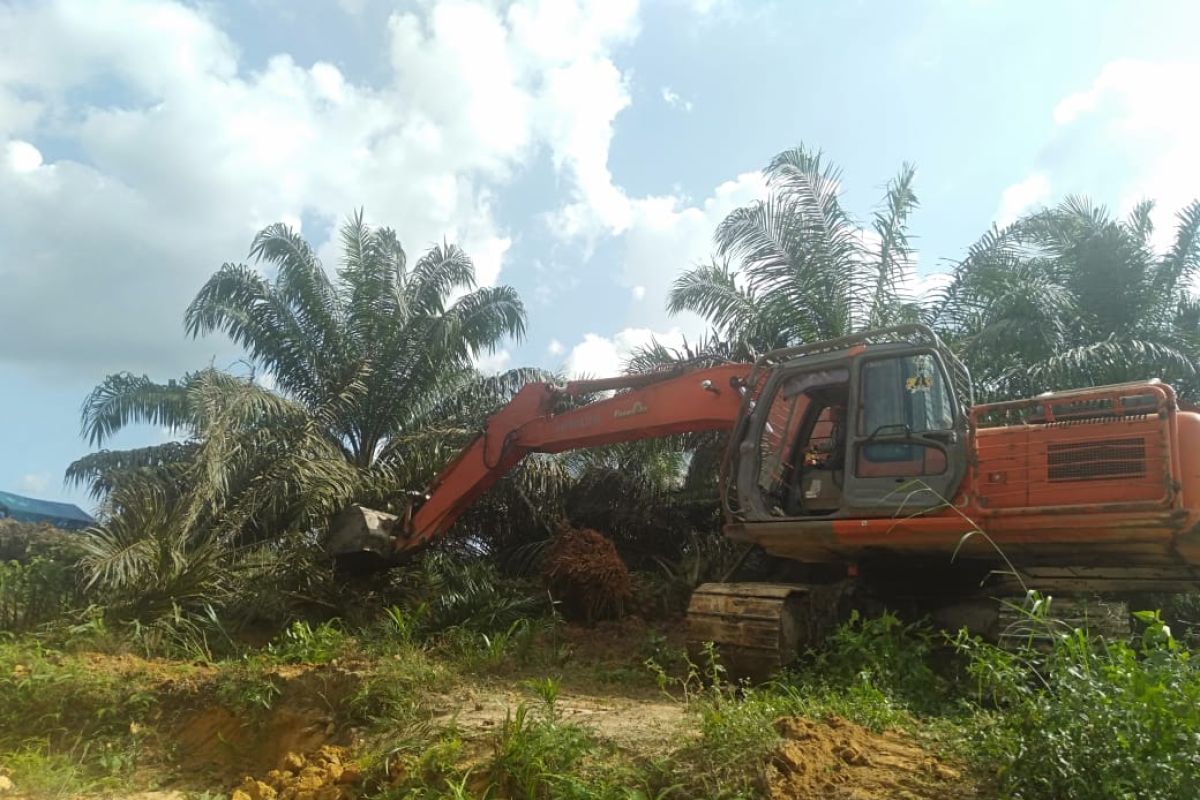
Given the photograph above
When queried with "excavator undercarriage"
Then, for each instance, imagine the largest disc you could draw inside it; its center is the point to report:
(756, 629)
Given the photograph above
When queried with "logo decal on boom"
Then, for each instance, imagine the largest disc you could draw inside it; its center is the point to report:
(638, 407)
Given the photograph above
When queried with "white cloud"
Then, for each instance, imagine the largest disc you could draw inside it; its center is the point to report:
(672, 98)
(601, 357)
(667, 235)
(1022, 196)
(35, 483)
(171, 179)
(352, 7)
(266, 379)
(493, 363)
(924, 287)
(1137, 119)
(23, 157)
(555, 348)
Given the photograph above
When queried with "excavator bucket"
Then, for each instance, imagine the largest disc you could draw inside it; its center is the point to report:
(362, 539)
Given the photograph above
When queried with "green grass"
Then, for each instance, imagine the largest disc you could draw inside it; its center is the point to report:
(37, 770)
(1083, 718)
(60, 696)
(247, 687)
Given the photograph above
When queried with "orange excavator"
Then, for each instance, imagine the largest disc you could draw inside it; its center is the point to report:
(865, 461)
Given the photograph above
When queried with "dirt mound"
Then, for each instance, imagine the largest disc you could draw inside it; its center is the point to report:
(584, 571)
(230, 740)
(327, 774)
(218, 739)
(838, 760)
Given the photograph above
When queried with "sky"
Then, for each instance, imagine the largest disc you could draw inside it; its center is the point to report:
(581, 151)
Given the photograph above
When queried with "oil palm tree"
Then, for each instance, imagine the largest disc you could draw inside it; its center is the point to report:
(380, 358)
(389, 339)
(373, 389)
(796, 267)
(1071, 296)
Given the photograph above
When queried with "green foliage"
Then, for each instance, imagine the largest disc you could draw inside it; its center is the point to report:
(1070, 297)
(884, 658)
(1089, 718)
(470, 594)
(391, 694)
(531, 755)
(1182, 613)
(547, 690)
(40, 770)
(197, 635)
(36, 592)
(666, 590)
(301, 643)
(64, 699)
(793, 267)
(247, 687)
(375, 390)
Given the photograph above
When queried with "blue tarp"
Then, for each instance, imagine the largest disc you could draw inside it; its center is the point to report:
(26, 509)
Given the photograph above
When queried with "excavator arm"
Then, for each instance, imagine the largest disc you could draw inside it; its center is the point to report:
(651, 405)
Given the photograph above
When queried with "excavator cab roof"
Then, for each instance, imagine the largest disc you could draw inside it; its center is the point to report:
(895, 337)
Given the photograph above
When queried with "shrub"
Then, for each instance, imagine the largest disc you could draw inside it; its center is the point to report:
(1090, 719)
(885, 656)
(36, 592)
(301, 643)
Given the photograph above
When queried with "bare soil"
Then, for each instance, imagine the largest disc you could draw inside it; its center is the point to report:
(640, 722)
(837, 760)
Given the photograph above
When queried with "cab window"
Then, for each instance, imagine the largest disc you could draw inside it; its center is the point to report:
(902, 397)
(904, 394)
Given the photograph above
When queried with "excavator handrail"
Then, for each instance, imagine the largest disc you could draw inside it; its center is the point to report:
(916, 334)
(1114, 393)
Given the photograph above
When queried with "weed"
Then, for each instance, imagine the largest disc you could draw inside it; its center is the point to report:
(531, 755)
(691, 680)
(61, 696)
(301, 643)
(402, 625)
(490, 652)
(883, 660)
(191, 635)
(37, 770)
(1089, 718)
(247, 687)
(428, 771)
(547, 691)
(392, 692)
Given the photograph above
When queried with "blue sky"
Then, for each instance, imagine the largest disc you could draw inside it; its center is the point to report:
(581, 150)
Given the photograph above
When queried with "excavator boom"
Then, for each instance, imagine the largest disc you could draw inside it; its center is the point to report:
(658, 404)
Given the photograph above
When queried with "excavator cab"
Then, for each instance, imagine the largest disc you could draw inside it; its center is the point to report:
(867, 426)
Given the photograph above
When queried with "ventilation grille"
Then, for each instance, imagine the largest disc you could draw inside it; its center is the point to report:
(1105, 459)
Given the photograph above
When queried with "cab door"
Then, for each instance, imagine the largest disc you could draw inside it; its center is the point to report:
(908, 444)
